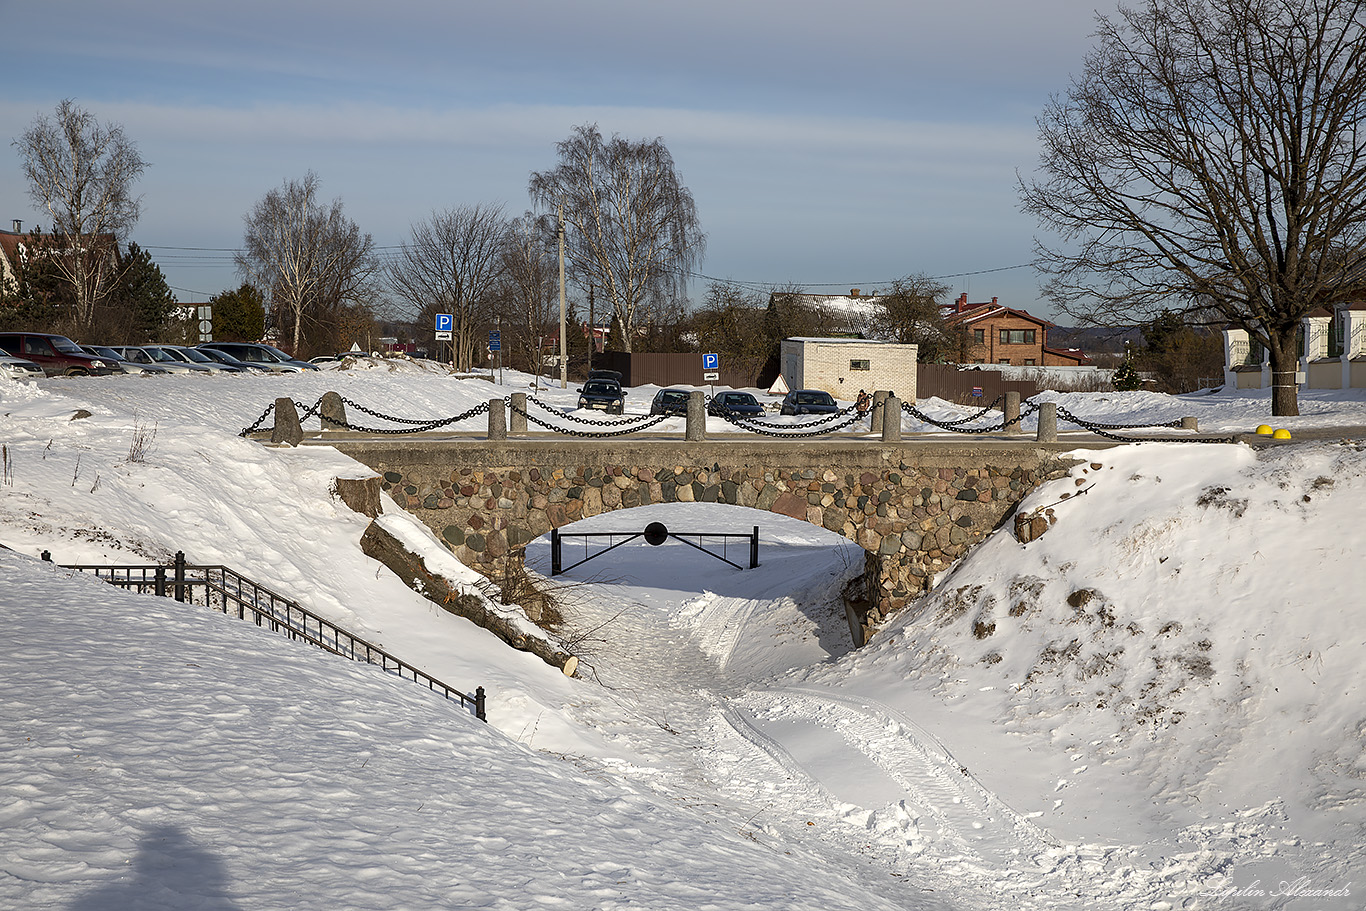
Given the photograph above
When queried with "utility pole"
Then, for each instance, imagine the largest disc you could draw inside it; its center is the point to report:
(564, 345)
(592, 330)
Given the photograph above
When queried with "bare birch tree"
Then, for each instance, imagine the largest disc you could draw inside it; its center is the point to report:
(308, 255)
(531, 283)
(452, 265)
(631, 228)
(82, 173)
(1211, 153)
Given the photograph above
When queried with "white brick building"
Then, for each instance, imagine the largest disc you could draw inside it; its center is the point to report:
(844, 366)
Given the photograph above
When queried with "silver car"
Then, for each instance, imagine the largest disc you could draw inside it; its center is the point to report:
(119, 362)
(195, 356)
(144, 356)
(18, 368)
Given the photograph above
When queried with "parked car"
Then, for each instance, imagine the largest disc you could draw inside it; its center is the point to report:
(19, 369)
(161, 354)
(809, 401)
(670, 401)
(124, 365)
(145, 359)
(56, 354)
(256, 353)
(603, 395)
(737, 404)
(224, 358)
(613, 375)
(195, 356)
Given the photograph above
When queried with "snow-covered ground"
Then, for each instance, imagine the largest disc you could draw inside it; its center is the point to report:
(1157, 704)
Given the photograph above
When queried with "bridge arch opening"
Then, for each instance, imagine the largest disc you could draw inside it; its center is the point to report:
(674, 606)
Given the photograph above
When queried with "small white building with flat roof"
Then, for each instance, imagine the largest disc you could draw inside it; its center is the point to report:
(845, 366)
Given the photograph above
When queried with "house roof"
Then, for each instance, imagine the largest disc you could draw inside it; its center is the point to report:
(980, 312)
(9, 245)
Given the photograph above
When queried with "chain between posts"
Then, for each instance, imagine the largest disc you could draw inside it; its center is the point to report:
(417, 426)
(955, 426)
(643, 422)
(1103, 431)
(640, 422)
(816, 428)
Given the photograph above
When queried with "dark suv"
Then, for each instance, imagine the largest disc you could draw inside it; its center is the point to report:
(671, 402)
(602, 395)
(56, 354)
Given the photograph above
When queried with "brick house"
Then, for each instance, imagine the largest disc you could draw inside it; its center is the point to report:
(997, 334)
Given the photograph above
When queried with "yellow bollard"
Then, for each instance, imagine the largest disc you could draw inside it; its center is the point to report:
(1263, 430)
(1281, 434)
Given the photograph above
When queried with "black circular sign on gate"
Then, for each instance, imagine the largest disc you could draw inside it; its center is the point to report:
(656, 534)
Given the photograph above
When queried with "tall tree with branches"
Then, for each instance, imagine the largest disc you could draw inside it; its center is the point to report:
(82, 172)
(1211, 153)
(631, 228)
(452, 265)
(309, 255)
(909, 313)
(530, 284)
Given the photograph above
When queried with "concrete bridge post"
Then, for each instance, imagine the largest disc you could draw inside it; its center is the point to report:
(891, 419)
(498, 420)
(1048, 423)
(333, 411)
(875, 414)
(287, 427)
(1190, 423)
(1012, 413)
(697, 417)
(518, 421)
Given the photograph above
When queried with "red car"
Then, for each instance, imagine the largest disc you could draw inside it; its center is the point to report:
(56, 354)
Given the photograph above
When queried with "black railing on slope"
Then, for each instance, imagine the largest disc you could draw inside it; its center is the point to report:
(224, 590)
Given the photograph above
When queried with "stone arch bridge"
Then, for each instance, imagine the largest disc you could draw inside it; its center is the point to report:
(913, 508)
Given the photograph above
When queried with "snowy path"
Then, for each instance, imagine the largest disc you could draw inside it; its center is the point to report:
(708, 673)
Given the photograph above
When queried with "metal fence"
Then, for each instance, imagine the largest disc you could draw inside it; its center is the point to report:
(228, 592)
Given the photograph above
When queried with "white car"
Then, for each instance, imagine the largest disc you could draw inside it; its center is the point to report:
(18, 368)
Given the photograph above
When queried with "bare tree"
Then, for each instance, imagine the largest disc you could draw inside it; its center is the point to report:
(631, 226)
(310, 256)
(1211, 153)
(82, 173)
(452, 265)
(909, 313)
(530, 283)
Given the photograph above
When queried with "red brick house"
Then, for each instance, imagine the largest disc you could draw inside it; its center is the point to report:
(996, 334)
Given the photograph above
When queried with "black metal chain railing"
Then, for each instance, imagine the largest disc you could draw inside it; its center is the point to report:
(415, 425)
(1026, 409)
(226, 591)
(1104, 430)
(624, 426)
(826, 424)
(809, 429)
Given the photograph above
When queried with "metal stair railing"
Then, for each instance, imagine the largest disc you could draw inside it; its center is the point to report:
(228, 592)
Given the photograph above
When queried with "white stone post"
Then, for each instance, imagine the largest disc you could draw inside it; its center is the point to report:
(1235, 355)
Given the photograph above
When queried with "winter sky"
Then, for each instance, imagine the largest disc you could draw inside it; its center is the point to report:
(829, 144)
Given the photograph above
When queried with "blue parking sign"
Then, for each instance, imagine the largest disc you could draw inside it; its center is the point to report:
(495, 341)
(711, 362)
(444, 322)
